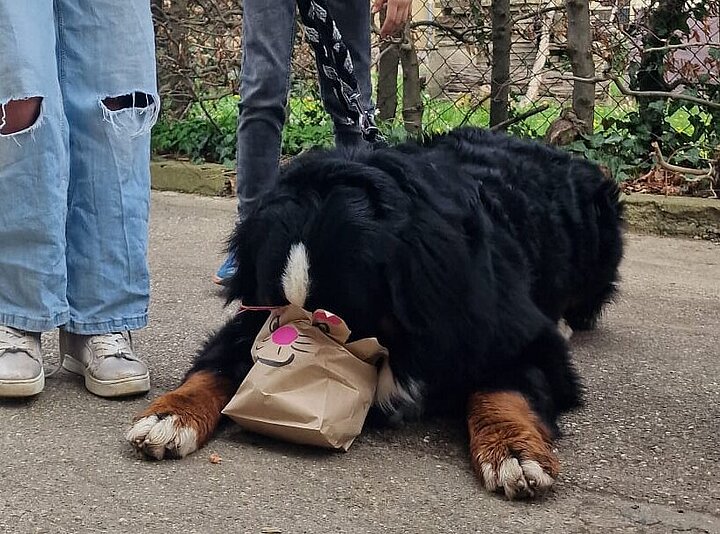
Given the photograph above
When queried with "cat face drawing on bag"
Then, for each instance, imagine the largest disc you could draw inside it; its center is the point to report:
(287, 336)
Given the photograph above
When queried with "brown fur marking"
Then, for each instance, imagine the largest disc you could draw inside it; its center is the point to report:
(503, 425)
(197, 403)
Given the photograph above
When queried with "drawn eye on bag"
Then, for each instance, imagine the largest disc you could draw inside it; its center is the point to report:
(325, 321)
(287, 342)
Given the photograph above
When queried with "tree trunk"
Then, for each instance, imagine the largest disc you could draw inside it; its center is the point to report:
(579, 43)
(177, 48)
(500, 77)
(412, 108)
(536, 76)
(387, 89)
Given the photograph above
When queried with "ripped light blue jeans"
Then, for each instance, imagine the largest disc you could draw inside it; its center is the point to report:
(75, 184)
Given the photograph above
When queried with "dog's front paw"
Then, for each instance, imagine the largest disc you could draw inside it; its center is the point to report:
(182, 421)
(518, 478)
(161, 436)
(511, 449)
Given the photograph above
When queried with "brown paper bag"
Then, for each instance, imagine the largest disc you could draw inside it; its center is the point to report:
(307, 386)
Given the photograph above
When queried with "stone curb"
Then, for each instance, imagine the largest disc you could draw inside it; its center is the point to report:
(208, 179)
(648, 214)
(673, 216)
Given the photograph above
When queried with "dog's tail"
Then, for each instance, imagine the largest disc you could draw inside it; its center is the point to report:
(601, 282)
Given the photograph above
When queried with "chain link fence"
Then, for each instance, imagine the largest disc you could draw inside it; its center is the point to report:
(653, 83)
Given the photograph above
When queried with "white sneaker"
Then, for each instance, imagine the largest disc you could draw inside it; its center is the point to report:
(107, 362)
(21, 367)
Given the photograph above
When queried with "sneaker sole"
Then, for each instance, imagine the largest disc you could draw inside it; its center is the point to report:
(22, 388)
(122, 387)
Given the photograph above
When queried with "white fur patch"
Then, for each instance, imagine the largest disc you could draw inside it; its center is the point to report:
(565, 330)
(489, 477)
(296, 276)
(535, 476)
(157, 438)
(389, 394)
(516, 479)
(511, 479)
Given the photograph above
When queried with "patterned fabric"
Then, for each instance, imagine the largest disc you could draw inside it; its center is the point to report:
(335, 64)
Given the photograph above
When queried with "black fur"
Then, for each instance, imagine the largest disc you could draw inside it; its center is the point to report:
(460, 254)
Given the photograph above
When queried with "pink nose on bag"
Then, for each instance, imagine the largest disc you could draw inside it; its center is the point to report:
(284, 335)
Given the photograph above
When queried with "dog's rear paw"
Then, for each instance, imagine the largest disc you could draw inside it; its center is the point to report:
(517, 478)
(162, 436)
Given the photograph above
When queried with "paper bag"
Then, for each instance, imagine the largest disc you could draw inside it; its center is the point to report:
(307, 385)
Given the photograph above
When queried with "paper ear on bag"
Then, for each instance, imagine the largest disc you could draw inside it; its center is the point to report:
(307, 384)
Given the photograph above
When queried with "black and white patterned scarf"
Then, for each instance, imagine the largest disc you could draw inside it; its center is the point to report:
(336, 66)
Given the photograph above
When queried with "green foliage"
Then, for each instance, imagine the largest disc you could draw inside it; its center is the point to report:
(196, 136)
(308, 126)
(622, 142)
(622, 155)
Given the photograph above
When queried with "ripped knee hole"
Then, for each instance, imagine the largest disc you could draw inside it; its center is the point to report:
(129, 101)
(19, 115)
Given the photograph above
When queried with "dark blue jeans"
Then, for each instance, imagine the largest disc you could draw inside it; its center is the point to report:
(268, 36)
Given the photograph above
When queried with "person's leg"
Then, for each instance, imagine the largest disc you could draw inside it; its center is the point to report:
(33, 186)
(268, 35)
(353, 21)
(107, 75)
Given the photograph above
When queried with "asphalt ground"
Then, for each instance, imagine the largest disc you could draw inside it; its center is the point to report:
(642, 456)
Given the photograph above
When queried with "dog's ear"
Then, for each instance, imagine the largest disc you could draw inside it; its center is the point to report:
(431, 276)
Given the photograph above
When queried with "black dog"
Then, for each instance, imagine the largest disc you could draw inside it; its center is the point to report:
(460, 255)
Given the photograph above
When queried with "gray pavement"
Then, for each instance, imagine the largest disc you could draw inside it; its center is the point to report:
(642, 456)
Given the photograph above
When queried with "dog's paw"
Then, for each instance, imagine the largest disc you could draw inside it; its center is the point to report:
(162, 436)
(182, 421)
(522, 465)
(511, 448)
(517, 478)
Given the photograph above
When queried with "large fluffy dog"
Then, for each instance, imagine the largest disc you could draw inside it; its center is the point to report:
(461, 255)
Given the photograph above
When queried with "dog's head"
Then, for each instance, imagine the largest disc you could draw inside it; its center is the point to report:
(363, 238)
(321, 239)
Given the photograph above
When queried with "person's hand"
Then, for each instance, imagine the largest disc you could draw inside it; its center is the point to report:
(398, 12)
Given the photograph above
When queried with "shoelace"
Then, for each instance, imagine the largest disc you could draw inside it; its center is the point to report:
(106, 346)
(112, 346)
(12, 340)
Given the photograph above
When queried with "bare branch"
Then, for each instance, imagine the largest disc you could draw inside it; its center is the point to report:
(519, 118)
(660, 160)
(537, 13)
(384, 51)
(458, 35)
(473, 109)
(678, 47)
(643, 94)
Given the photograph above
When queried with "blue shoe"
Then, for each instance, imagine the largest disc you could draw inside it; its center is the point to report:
(226, 271)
